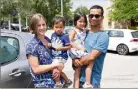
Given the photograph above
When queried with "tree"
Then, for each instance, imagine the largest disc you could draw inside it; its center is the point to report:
(51, 8)
(12, 7)
(124, 11)
(82, 9)
(9, 9)
(48, 8)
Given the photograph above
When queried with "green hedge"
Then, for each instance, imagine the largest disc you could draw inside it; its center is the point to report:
(134, 28)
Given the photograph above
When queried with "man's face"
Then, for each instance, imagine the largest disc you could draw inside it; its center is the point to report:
(95, 17)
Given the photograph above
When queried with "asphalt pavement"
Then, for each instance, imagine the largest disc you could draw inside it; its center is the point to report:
(118, 72)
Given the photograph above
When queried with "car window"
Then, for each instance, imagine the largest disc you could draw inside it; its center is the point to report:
(115, 33)
(134, 34)
(68, 29)
(9, 49)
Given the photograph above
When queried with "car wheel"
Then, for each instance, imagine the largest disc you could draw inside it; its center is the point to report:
(122, 49)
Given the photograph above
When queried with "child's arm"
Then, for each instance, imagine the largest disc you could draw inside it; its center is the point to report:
(87, 30)
(71, 37)
(63, 48)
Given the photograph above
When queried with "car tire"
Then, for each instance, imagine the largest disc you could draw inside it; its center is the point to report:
(122, 49)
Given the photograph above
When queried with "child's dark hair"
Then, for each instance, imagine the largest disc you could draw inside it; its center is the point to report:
(97, 7)
(58, 19)
(77, 16)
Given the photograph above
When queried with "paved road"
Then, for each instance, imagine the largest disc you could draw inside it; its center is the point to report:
(119, 71)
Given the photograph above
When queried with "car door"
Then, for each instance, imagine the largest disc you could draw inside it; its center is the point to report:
(14, 65)
(115, 38)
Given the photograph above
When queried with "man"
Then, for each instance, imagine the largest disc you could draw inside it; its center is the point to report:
(96, 44)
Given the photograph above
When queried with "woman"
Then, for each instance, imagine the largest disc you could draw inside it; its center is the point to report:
(39, 56)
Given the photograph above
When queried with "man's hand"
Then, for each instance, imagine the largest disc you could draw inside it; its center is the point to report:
(76, 63)
(55, 73)
(84, 61)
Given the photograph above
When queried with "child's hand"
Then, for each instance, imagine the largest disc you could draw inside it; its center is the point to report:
(49, 45)
(82, 49)
(58, 49)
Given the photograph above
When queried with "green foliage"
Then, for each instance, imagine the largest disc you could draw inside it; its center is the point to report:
(48, 8)
(133, 27)
(124, 10)
(82, 9)
(20, 6)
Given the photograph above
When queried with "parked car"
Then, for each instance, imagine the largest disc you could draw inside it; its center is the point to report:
(68, 29)
(15, 71)
(123, 41)
(15, 26)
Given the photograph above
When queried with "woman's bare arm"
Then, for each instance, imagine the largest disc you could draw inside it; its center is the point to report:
(37, 68)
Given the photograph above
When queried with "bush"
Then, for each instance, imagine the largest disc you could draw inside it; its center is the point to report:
(134, 28)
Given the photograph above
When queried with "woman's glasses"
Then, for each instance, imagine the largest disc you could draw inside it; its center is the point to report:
(94, 15)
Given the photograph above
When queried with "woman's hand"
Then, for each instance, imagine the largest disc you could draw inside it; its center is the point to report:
(58, 65)
(55, 73)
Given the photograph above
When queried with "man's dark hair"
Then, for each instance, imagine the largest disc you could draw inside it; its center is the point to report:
(97, 7)
(58, 19)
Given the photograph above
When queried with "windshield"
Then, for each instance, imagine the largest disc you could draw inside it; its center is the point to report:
(134, 34)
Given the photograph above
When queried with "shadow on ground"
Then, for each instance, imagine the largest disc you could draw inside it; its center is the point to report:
(130, 54)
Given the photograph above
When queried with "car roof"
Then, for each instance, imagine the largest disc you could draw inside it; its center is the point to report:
(12, 31)
(128, 30)
(26, 36)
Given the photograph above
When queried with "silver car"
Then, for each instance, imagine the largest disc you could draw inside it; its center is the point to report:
(14, 64)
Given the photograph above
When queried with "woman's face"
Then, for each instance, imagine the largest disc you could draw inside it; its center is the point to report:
(41, 27)
(81, 23)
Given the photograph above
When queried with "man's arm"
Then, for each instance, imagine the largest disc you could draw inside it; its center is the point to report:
(100, 47)
(90, 57)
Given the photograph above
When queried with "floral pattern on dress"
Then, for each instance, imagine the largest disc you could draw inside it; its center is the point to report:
(44, 54)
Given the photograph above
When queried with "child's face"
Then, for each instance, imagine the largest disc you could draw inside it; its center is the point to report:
(59, 28)
(41, 27)
(81, 23)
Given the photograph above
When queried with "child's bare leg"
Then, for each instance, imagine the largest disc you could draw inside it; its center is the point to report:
(63, 75)
(57, 81)
(76, 77)
(88, 73)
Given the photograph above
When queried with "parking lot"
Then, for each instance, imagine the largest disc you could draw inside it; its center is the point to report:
(119, 71)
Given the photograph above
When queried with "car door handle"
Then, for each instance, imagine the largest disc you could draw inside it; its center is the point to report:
(17, 72)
